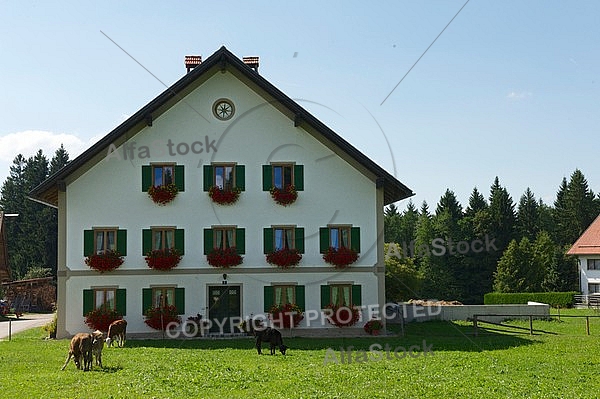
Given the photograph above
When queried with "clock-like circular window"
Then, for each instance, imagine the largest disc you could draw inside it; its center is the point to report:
(223, 109)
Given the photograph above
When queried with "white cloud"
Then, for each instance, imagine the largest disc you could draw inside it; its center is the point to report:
(28, 142)
(519, 95)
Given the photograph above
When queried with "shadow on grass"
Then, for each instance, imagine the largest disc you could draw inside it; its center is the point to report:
(443, 335)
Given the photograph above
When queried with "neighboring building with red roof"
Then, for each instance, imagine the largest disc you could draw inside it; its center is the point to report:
(587, 250)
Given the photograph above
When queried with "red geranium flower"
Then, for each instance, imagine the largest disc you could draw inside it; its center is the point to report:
(159, 318)
(164, 194)
(284, 196)
(227, 257)
(286, 316)
(105, 261)
(284, 258)
(163, 259)
(342, 316)
(341, 257)
(224, 196)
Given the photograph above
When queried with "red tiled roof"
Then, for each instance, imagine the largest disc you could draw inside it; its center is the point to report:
(589, 242)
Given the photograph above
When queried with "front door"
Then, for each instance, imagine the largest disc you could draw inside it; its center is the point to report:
(224, 303)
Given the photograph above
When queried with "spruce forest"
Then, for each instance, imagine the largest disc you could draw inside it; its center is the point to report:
(528, 241)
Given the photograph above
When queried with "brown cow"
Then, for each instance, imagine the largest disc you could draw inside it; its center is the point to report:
(116, 330)
(97, 346)
(81, 349)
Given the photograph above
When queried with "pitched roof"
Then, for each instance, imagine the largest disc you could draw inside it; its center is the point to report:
(222, 59)
(589, 242)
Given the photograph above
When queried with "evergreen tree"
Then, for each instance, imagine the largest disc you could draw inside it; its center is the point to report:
(391, 224)
(477, 203)
(501, 216)
(527, 224)
(408, 224)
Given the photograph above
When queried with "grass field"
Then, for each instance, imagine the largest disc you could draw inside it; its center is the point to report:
(564, 364)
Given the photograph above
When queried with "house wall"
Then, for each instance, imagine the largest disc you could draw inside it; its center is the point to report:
(109, 194)
(587, 276)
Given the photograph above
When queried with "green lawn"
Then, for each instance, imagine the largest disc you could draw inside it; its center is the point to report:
(493, 365)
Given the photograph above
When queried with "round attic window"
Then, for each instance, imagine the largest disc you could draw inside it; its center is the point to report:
(223, 109)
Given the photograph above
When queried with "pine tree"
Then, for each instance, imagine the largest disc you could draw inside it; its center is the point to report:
(408, 223)
(501, 213)
(527, 224)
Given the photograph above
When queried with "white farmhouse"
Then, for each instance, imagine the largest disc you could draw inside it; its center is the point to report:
(587, 250)
(221, 129)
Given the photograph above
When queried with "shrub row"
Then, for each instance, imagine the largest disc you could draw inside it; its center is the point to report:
(554, 299)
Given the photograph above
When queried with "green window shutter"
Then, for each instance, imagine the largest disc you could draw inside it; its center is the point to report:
(267, 177)
(179, 177)
(355, 239)
(268, 240)
(146, 177)
(300, 295)
(180, 300)
(180, 241)
(240, 177)
(323, 239)
(299, 239)
(299, 177)
(240, 241)
(122, 242)
(208, 241)
(207, 177)
(325, 296)
(146, 299)
(268, 295)
(88, 242)
(146, 241)
(88, 301)
(121, 301)
(356, 295)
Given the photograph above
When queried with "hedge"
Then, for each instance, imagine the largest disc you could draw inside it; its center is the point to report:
(554, 299)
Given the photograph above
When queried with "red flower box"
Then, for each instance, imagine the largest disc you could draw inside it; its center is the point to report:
(373, 326)
(100, 319)
(284, 196)
(159, 318)
(284, 258)
(224, 197)
(162, 195)
(163, 259)
(104, 262)
(227, 257)
(342, 316)
(340, 258)
(286, 316)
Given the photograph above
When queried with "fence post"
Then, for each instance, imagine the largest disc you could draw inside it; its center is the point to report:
(9, 328)
(475, 324)
(530, 325)
(587, 324)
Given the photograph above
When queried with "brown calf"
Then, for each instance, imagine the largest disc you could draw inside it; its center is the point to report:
(81, 349)
(97, 346)
(116, 330)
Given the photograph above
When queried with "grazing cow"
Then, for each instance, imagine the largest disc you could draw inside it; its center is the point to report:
(273, 337)
(116, 330)
(81, 349)
(97, 346)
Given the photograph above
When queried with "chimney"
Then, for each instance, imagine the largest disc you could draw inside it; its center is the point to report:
(252, 62)
(192, 61)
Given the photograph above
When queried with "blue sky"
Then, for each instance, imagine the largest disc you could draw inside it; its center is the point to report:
(510, 89)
